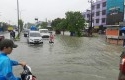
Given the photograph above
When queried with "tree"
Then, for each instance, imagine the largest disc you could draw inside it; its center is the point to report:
(75, 23)
(21, 25)
(63, 25)
(56, 25)
(44, 25)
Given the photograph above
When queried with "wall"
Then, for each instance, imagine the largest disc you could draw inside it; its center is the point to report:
(114, 32)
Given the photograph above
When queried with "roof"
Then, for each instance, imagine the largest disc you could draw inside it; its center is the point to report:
(43, 29)
(112, 26)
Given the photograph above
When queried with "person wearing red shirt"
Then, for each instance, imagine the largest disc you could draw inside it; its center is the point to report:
(51, 40)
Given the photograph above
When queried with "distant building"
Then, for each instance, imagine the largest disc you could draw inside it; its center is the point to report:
(106, 12)
(98, 13)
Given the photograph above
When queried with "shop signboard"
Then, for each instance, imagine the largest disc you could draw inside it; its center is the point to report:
(115, 12)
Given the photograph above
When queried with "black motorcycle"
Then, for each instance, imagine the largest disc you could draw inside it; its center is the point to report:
(27, 74)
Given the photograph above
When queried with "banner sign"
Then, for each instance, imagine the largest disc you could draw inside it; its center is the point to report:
(115, 12)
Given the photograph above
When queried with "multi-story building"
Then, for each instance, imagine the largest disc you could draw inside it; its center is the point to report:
(98, 13)
(106, 12)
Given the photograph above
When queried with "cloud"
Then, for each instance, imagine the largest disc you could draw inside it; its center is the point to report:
(41, 9)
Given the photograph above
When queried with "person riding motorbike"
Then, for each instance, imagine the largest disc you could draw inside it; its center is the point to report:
(6, 64)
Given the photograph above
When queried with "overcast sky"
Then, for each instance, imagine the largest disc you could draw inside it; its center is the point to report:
(41, 9)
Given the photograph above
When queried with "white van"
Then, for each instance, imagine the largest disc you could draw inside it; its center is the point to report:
(44, 33)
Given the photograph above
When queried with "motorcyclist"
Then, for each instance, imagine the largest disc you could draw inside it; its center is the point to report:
(51, 38)
(12, 34)
(6, 72)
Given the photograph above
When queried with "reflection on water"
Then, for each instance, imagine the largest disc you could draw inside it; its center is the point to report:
(35, 45)
(71, 58)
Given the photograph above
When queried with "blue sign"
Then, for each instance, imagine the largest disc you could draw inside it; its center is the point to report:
(115, 12)
(115, 6)
(33, 28)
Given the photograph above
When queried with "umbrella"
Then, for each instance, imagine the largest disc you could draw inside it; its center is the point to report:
(123, 28)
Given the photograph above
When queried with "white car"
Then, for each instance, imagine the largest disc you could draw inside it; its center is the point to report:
(34, 37)
(44, 33)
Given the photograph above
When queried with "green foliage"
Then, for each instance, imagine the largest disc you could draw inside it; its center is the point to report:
(56, 23)
(59, 24)
(63, 24)
(75, 21)
(17, 37)
(21, 24)
(43, 25)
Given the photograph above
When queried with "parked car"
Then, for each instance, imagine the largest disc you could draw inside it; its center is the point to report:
(34, 37)
(44, 33)
(2, 37)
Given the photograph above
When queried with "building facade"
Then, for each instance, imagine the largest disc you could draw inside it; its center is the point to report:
(98, 13)
(106, 12)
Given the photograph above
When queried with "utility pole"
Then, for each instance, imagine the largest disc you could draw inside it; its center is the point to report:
(90, 27)
(18, 16)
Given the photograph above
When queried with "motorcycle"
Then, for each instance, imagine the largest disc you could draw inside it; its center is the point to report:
(27, 74)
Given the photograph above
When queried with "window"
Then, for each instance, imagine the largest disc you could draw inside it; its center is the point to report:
(98, 6)
(88, 15)
(103, 20)
(104, 4)
(92, 14)
(97, 13)
(93, 7)
(97, 20)
(35, 35)
(104, 12)
(43, 31)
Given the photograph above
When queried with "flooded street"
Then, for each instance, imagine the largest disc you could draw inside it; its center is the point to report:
(69, 58)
